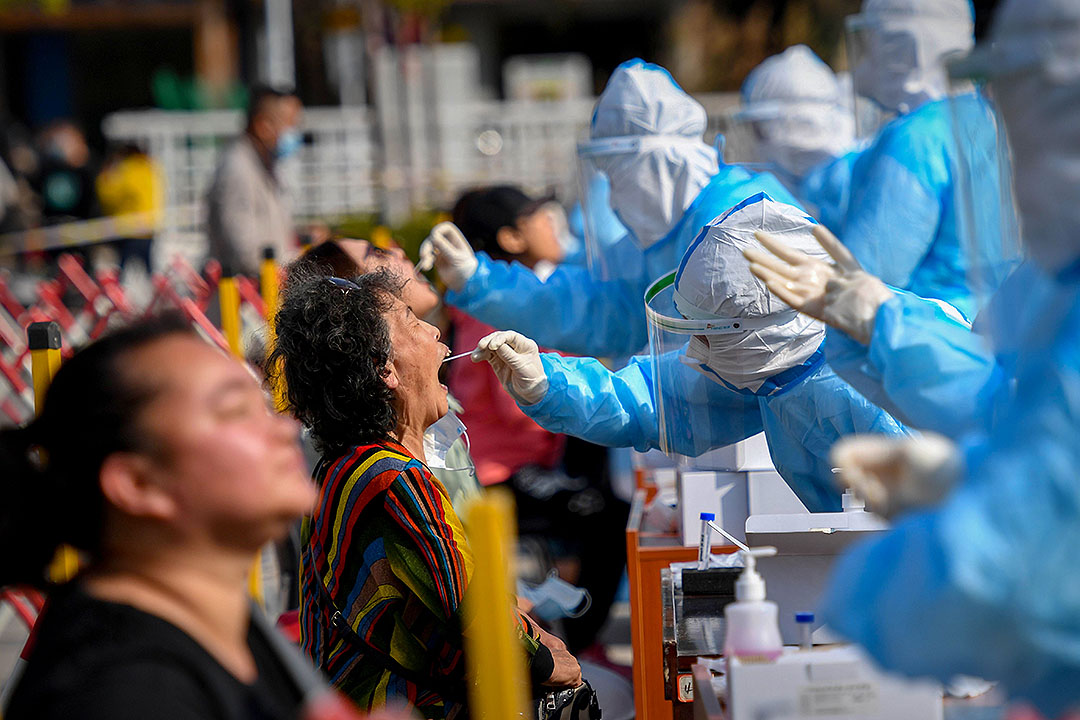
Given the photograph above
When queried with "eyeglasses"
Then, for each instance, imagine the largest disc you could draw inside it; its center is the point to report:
(345, 285)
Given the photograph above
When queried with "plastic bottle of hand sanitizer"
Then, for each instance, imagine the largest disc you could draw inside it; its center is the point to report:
(753, 629)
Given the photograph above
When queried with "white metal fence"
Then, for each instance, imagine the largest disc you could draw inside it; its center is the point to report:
(349, 165)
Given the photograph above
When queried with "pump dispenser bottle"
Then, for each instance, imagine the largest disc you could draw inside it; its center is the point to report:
(753, 628)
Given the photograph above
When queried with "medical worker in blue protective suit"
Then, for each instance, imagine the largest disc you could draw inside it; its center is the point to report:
(729, 386)
(663, 182)
(988, 582)
(898, 217)
(795, 117)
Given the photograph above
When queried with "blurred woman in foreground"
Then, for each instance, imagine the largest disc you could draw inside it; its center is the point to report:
(158, 458)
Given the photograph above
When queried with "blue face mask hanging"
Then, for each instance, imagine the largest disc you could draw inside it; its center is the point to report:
(288, 143)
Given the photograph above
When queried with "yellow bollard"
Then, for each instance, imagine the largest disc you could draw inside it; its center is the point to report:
(268, 285)
(495, 659)
(43, 339)
(381, 237)
(229, 304)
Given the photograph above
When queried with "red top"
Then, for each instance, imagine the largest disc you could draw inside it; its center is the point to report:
(502, 438)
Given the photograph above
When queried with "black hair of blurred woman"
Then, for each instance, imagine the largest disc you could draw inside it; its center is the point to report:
(481, 213)
(50, 492)
(326, 258)
(332, 347)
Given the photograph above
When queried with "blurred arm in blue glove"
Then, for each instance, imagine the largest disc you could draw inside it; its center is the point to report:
(987, 583)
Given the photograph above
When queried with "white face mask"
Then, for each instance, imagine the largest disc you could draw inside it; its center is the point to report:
(807, 135)
(653, 179)
(441, 436)
(746, 360)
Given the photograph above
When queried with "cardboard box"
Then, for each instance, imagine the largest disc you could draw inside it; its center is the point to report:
(833, 683)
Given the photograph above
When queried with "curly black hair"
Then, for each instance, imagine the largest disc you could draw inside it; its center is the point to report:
(332, 347)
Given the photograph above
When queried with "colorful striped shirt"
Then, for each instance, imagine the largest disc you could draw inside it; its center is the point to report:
(385, 547)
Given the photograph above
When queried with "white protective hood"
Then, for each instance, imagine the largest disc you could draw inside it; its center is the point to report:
(904, 45)
(714, 282)
(799, 109)
(647, 138)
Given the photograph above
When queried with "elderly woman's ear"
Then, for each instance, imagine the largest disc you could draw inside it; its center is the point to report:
(391, 376)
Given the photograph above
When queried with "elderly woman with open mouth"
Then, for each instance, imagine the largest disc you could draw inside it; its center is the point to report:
(385, 563)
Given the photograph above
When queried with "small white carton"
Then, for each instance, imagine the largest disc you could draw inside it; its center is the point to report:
(827, 683)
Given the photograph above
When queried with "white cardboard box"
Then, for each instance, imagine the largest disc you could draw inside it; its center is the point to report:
(831, 683)
(807, 546)
(749, 454)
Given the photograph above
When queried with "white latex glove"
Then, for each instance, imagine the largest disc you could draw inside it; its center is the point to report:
(894, 474)
(448, 250)
(841, 293)
(516, 362)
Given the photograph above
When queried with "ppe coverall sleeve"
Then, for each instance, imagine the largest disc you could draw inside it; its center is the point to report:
(923, 365)
(986, 584)
(570, 311)
(896, 201)
(803, 423)
(617, 409)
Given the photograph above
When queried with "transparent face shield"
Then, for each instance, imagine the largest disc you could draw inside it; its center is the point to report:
(1031, 81)
(983, 192)
(878, 62)
(609, 250)
(687, 424)
(628, 201)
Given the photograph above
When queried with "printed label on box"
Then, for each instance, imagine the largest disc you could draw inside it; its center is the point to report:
(858, 699)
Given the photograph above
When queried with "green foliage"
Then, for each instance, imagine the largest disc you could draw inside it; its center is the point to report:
(408, 235)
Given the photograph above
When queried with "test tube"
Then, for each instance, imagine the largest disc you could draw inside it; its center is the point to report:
(705, 546)
(805, 621)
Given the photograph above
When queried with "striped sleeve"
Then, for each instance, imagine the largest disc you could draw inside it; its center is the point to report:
(423, 511)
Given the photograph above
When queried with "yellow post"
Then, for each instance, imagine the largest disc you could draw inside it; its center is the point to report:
(495, 658)
(43, 339)
(229, 304)
(268, 285)
(381, 237)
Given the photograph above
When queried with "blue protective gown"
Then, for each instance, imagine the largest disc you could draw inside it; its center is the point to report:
(988, 583)
(928, 370)
(801, 420)
(826, 188)
(899, 217)
(576, 313)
